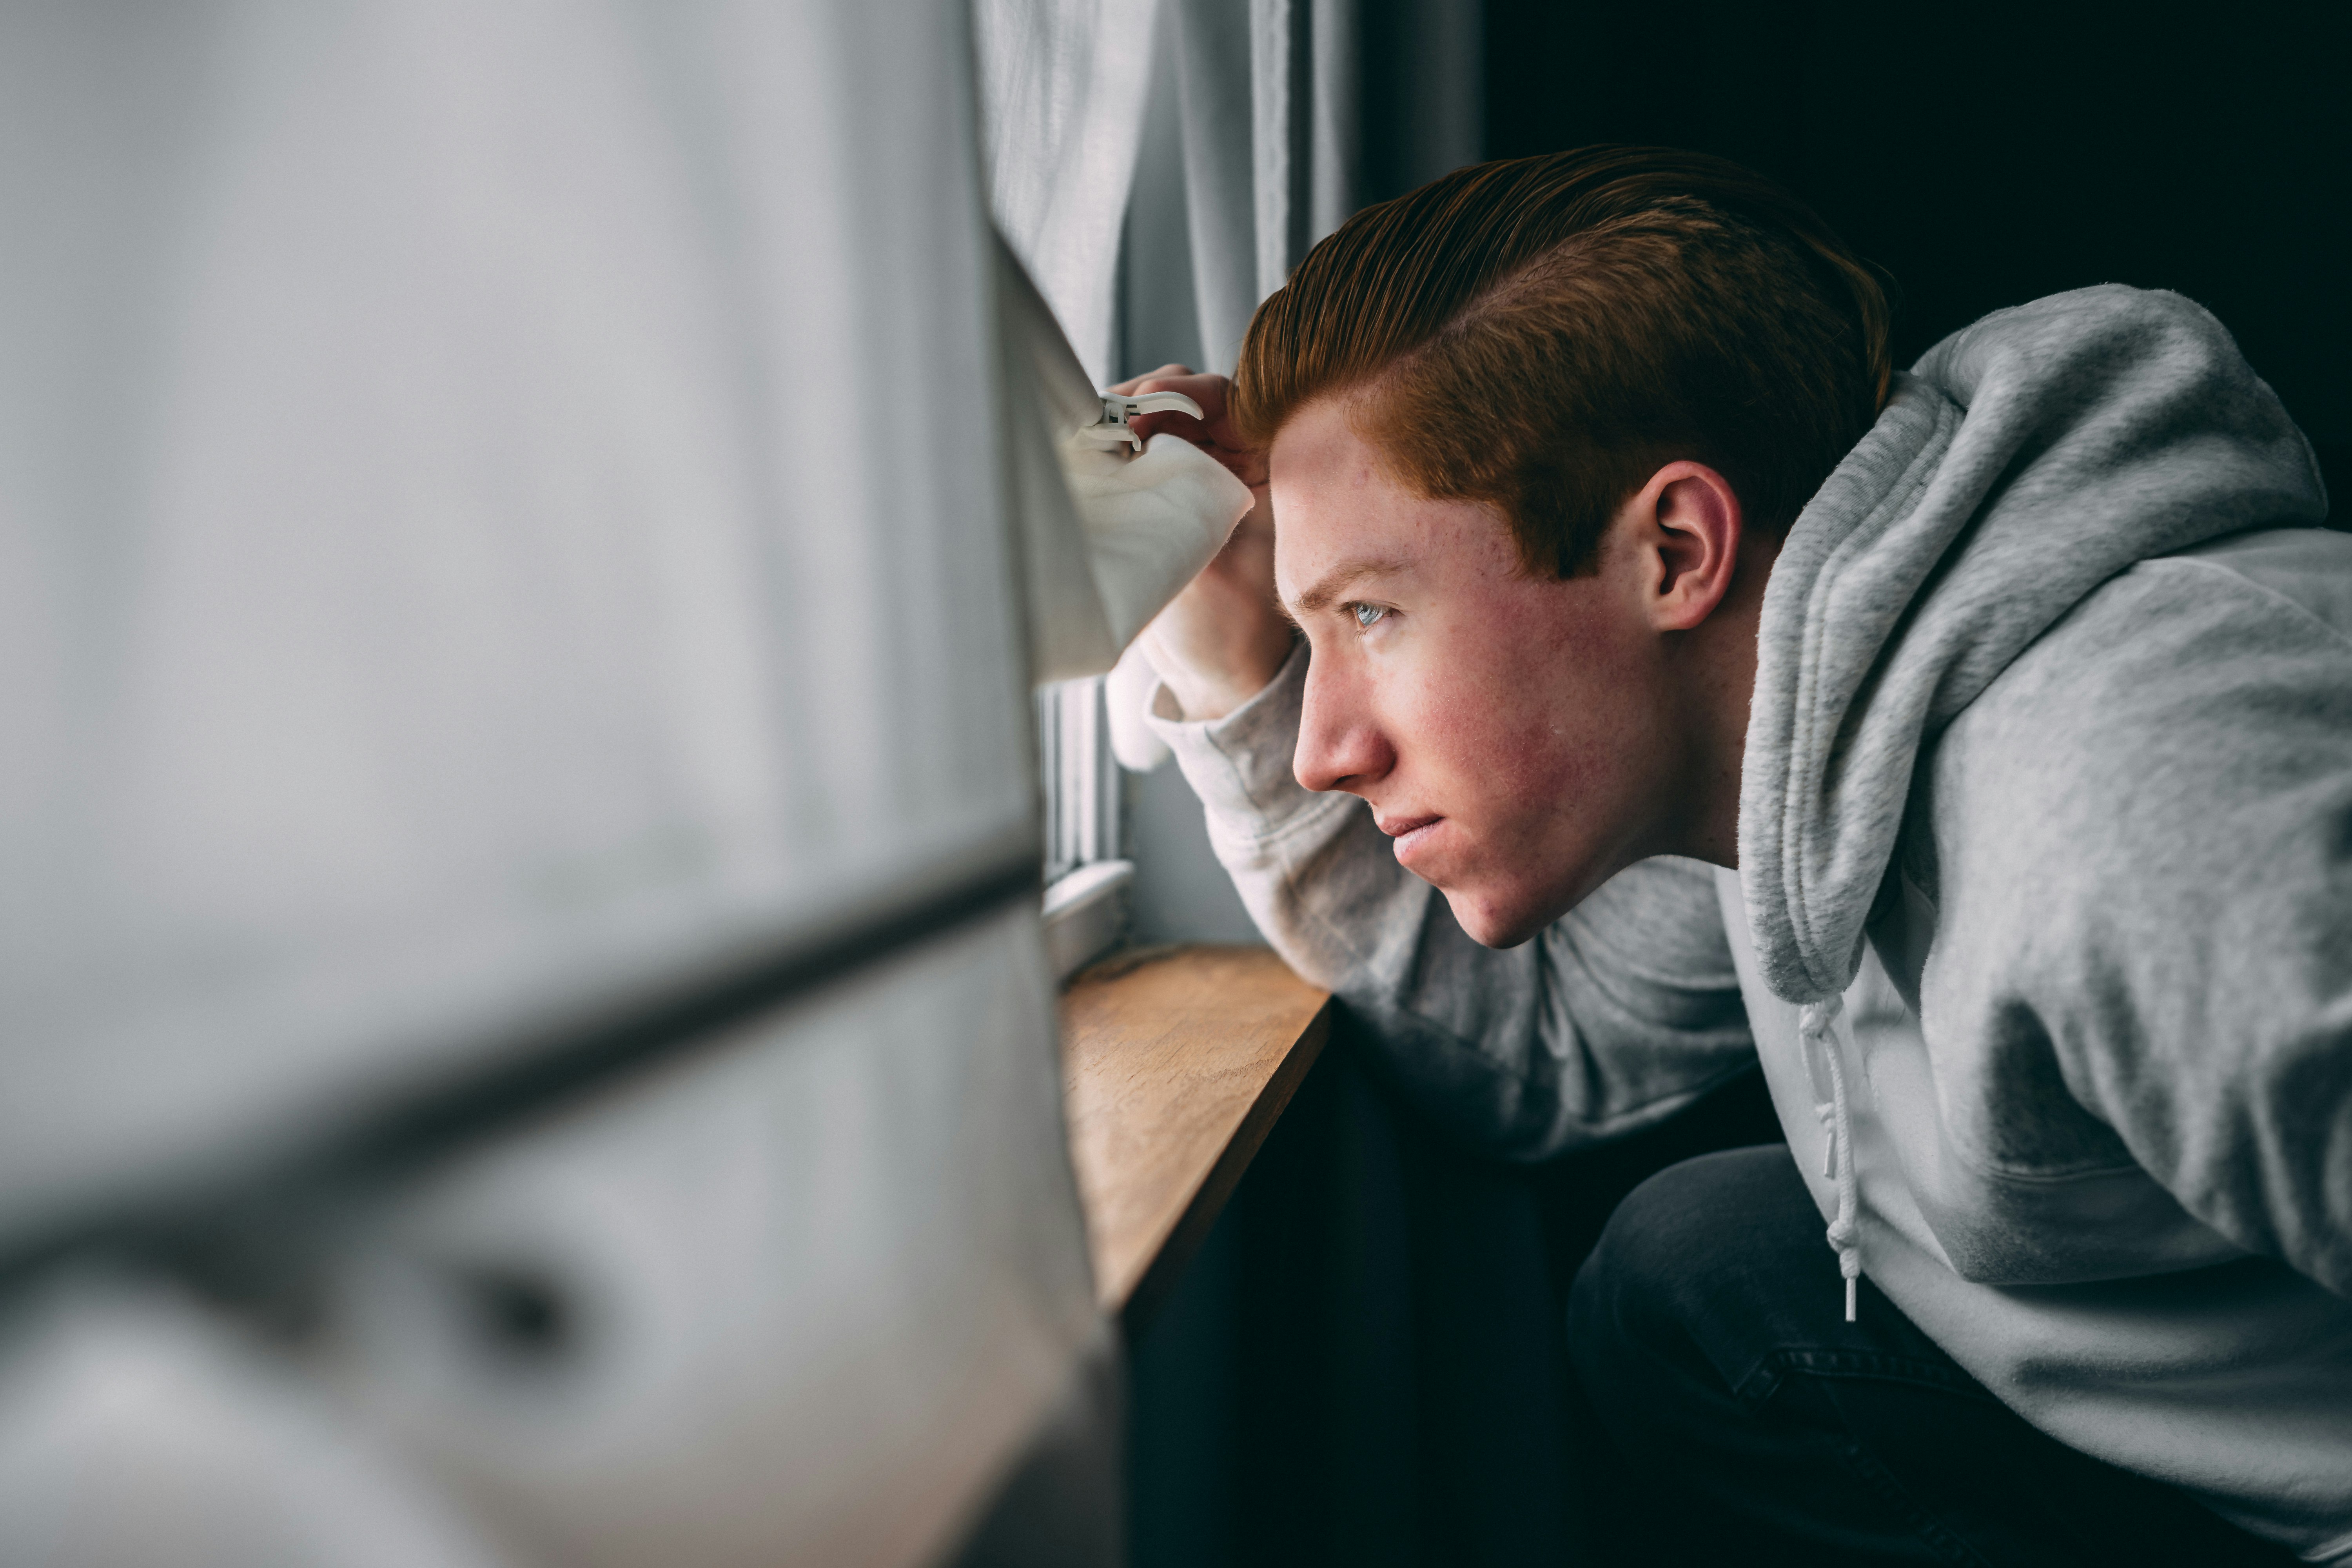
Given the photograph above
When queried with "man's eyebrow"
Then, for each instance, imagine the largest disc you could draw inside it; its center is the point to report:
(1327, 588)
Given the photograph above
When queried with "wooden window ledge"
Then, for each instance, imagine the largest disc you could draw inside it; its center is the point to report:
(1175, 1064)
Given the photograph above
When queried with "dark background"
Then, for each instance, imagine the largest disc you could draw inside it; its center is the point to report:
(1988, 155)
(1363, 1365)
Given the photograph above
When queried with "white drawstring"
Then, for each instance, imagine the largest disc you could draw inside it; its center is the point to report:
(1816, 1023)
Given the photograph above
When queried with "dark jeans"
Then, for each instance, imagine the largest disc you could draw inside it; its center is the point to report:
(1745, 1420)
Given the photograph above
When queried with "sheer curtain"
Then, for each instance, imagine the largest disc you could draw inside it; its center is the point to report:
(524, 1034)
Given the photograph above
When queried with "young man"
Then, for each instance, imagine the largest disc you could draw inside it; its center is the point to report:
(1971, 745)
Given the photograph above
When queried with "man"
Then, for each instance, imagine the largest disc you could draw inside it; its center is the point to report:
(1973, 746)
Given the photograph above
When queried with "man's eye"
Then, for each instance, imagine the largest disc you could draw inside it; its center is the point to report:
(1366, 614)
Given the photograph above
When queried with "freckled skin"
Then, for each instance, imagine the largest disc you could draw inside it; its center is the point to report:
(1533, 717)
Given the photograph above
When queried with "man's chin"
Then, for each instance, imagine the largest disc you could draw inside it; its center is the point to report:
(1493, 922)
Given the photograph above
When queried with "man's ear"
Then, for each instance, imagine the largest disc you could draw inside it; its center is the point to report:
(1685, 525)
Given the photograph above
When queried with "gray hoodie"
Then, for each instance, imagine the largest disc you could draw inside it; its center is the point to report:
(2043, 930)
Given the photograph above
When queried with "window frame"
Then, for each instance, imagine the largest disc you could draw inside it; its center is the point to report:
(1087, 876)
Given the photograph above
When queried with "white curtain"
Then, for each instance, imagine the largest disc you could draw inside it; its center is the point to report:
(1062, 95)
(503, 587)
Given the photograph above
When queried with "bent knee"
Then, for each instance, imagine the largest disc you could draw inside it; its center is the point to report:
(1684, 1243)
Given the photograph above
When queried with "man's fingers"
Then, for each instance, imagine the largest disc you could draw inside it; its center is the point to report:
(1208, 391)
(1213, 429)
(1213, 432)
(1134, 386)
(1217, 439)
(1175, 422)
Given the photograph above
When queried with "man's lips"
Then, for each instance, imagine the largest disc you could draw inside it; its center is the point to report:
(1408, 831)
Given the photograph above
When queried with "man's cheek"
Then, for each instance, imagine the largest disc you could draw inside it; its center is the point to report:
(1482, 728)
(1460, 738)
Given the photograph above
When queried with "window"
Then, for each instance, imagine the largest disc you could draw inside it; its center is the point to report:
(1086, 879)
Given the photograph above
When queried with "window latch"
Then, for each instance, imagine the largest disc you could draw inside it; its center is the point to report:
(1114, 429)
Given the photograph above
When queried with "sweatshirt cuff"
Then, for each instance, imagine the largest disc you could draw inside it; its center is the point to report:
(1240, 765)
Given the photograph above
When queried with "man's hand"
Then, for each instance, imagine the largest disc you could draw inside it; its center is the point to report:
(1221, 639)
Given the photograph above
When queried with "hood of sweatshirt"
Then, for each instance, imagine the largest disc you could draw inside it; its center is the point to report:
(2021, 463)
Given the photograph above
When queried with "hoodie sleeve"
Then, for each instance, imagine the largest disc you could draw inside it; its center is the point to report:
(1614, 1016)
(2148, 878)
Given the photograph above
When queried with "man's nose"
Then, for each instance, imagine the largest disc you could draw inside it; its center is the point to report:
(1340, 744)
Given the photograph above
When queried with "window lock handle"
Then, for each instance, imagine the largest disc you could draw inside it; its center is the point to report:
(1114, 429)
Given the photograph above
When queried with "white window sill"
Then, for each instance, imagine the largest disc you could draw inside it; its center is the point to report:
(1085, 914)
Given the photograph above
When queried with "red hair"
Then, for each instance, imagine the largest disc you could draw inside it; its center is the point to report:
(1544, 333)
